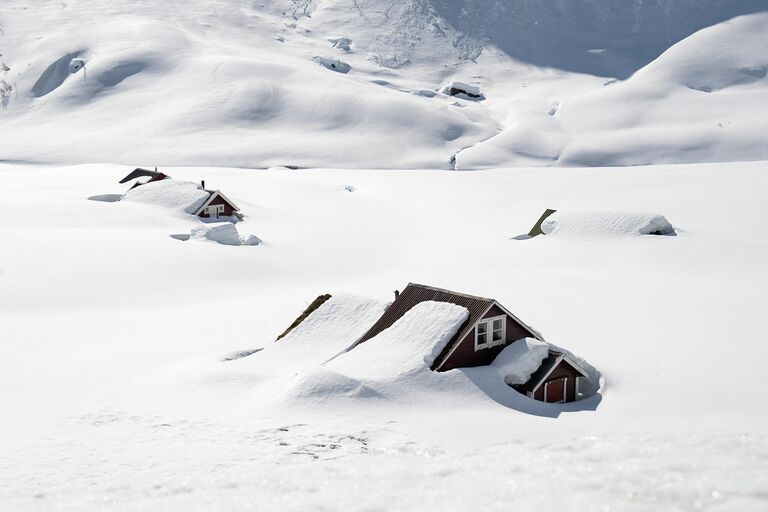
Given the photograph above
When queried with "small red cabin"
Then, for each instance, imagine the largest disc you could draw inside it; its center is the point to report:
(217, 205)
(558, 379)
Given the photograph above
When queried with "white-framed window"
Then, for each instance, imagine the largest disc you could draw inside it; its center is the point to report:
(490, 332)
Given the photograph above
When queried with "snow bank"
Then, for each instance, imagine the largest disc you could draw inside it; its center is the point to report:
(331, 329)
(224, 233)
(518, 361)
(606, 223)
(181, 196)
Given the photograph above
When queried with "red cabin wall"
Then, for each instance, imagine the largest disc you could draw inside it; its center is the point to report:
(563, 369)
(465, 356)
(228, 210)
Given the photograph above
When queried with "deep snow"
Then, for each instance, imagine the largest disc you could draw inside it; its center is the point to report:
(115, 396)
(262, 84)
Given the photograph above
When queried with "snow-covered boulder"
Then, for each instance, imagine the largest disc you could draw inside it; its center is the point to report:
(579, 223)
(342, 43)
(519, 360)
(333, 64)
(182, 196)
(462, 89)
(224, 233)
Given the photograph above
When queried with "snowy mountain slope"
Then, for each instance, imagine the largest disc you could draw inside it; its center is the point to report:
(242, 83)
(705, 99)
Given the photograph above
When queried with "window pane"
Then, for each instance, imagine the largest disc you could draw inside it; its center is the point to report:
(482, 338)
(497, 324)
(482, 328)
(496, 336)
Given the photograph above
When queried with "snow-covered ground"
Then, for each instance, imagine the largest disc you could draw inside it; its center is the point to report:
(114, 394)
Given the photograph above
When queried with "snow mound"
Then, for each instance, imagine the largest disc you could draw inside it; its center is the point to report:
(606, 223)
(183, 196)
(224, 233)
(319, 383)
(519, 360)
(342, 43)
(330, 330)
(333, 64)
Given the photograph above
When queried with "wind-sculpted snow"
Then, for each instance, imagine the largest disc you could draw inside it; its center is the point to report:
(278, 84)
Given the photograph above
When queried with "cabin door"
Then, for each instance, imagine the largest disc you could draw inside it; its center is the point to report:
(554, 390)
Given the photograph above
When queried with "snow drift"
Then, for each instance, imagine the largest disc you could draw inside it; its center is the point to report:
(237, 85)
(224, 233)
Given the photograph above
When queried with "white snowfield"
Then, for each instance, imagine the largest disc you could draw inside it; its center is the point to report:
(591, 224)
(359, 85)
(114, 396)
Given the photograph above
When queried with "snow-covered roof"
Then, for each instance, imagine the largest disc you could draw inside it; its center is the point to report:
(414, 294)
(551, 362)
(177, 195)
(521, 359)
(593, 223)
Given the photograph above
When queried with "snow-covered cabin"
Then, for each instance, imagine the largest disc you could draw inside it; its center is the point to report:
(558, 379)
(217, 205)
(139, 173)
(488, 329)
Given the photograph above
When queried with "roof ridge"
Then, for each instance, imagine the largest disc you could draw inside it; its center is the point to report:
(435, 288)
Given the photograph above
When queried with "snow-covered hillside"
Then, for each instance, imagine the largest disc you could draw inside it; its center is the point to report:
(356, 84)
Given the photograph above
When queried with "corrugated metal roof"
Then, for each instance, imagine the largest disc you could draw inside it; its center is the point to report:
(416, 293)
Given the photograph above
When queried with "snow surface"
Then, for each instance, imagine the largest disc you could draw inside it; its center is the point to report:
(590, 223)
(234, 82)
(518, 361)
(114, 396)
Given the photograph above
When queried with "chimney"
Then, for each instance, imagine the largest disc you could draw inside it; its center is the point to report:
(202, 184)
(397, 294)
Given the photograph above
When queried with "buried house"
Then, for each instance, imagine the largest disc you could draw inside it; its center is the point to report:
(217, 205)
(488, 330)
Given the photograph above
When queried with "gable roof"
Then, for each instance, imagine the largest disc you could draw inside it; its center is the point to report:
(415, 293)
(547, 367)
(139, 172)
(213, 195)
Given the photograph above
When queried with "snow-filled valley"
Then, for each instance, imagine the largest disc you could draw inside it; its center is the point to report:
(116, 395)
(359, 146)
